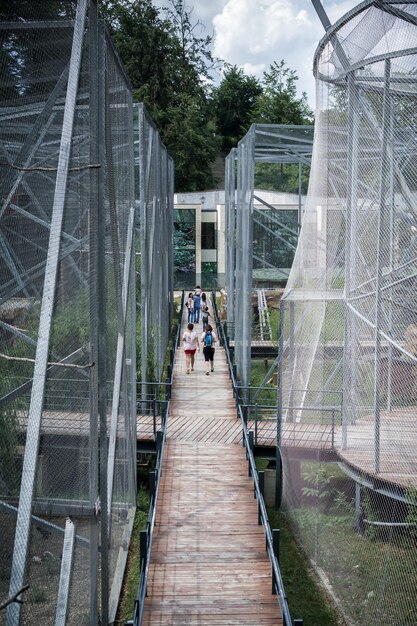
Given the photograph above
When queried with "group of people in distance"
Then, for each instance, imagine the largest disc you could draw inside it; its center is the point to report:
(196, 304)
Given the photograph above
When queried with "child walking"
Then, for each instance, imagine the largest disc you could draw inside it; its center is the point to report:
(208, 339)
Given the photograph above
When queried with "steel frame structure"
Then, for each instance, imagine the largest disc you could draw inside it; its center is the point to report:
(155, 224)
(264, 143)
(67, 236)
(349, 309)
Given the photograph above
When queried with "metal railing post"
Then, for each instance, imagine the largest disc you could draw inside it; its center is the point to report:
(154, 416)
(143, 548)
(152, 483)
(250, 451)
(261, 482)
(275, 547)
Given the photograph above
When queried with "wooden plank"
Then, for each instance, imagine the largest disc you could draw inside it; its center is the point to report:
(209, 563)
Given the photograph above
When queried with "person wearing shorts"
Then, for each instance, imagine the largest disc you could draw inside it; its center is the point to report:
(191, 344)
(208, 339)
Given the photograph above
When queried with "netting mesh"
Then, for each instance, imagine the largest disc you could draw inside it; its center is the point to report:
(67, 313)
(155, 180)
(261, 235)
(349, 351)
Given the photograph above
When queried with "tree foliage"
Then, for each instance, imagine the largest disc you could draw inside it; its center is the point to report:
(234, 102)
(168, 64)
(168, 60)
(278, 103)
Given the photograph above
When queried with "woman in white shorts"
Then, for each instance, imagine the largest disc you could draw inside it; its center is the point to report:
(191, 344)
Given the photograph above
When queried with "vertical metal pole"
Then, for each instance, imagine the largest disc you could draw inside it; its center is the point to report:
(380, 262)
(391, 241)
(245, 297)
(275, 547)
(143, 548)
(101, 363)
(357, 507)
(261, 481)
(143, 174)
(132, 308)
(280, 391)
(299, 198)
(97, 196)
(230, 201)
(152, 484)
(239, 255)
(65, 575)
(27, 487)
(291, 361)
(349, 361)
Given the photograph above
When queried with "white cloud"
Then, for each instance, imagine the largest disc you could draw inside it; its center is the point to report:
(252, 34)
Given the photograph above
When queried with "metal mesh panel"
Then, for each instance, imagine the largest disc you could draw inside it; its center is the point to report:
(261, 237)
(67, 315)
(348, 322)
(155, 176)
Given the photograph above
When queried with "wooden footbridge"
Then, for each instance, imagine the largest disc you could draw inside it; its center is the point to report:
(209, 564)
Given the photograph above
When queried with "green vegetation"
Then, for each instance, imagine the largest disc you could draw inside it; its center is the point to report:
(168, 60)
(234, 101)
(324, 521)
(306, 598)
(130, 585)
(10, 461)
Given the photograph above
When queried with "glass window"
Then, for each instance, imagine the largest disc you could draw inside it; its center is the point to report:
(208, 236)
(184, 240)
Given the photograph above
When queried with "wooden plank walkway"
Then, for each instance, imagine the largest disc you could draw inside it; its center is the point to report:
(293, 435)
(209, 564)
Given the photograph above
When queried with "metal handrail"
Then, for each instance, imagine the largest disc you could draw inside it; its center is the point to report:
(146, 536)
(263, 515)
(282, 598)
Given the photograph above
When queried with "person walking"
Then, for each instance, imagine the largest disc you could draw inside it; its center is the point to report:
(205, 316)
(191, 344)
(190, 306)
(208, 339)
(197, 305)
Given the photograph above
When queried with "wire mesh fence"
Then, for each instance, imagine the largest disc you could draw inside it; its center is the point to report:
(261, 237)
(155, 187)
(67, 315)
(348, 319)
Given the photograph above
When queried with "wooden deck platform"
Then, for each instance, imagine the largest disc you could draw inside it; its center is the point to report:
(397, 449)
(209, 566)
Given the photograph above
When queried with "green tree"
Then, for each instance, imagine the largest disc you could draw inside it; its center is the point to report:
(190, 136)
(168, 64)
(233, 103)
(278, 103)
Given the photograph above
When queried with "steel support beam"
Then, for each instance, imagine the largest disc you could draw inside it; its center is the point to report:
(21, 544)
(65, 576)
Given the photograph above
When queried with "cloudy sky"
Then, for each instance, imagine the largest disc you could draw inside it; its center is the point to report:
(253, 33)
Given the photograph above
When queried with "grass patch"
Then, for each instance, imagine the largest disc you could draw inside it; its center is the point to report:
(306, 598)
(131, 578)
